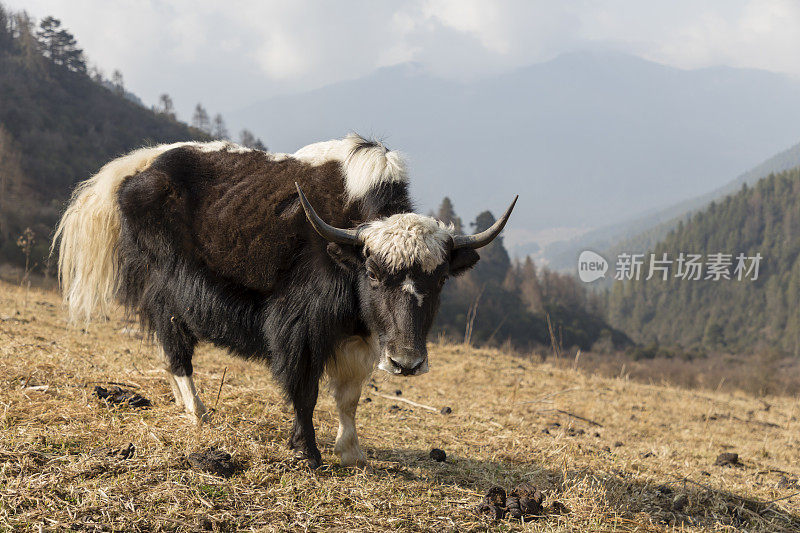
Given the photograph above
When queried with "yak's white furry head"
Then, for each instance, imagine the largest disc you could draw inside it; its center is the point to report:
(403, 240)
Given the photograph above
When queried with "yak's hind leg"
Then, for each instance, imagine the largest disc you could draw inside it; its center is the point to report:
(352, 364)
(173, 383)
(178, 345)
(191, 400)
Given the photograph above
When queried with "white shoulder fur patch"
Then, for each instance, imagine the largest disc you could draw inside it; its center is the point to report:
(364, 166)
(405, 239)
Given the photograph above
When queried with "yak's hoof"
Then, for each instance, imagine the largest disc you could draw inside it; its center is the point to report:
(359, 462)
(200, 418)
(352, 457)
(311, 459)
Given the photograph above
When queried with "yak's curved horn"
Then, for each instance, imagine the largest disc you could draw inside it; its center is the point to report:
(328, 232)
(485, 237)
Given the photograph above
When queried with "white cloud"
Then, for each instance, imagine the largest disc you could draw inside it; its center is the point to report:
(475, 17)
(282, 58)
(762, 34)
(230, 53)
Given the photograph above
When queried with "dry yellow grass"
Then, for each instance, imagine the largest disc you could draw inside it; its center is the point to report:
(669, 440)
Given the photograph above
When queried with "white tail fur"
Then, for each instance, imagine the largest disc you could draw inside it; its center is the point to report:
(89, 233)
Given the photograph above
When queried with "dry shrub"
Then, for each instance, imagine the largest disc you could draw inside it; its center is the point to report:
(760, 374)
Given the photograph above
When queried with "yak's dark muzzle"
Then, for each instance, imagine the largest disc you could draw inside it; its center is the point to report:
(410, 363)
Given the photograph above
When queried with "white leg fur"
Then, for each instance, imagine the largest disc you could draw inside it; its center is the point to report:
(191, 400)
(353, 363)
(176, 391)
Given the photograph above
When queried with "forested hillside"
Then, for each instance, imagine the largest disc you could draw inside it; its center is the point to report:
(500, 300)
(730, 314)
(58, 125)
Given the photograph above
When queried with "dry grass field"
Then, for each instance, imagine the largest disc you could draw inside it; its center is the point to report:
(645, 462)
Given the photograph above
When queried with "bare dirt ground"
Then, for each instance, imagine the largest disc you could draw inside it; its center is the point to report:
(620, 456)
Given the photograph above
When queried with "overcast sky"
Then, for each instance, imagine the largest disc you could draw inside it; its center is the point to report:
(233, 53)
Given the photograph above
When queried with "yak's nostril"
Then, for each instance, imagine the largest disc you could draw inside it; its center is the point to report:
(399, 368)
(409, 370)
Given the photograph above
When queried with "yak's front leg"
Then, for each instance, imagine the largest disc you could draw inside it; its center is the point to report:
(347, 394)
(303, 440)
(351, 366)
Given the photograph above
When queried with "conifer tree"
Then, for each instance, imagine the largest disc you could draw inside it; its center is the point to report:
(495, 263)
(447, 214)
(218, 128)
(529, 288)
(29, 49)
(59, 45)
(165, 106)
(200, 119)
(6, 37)
(117, 82)
(246, 138)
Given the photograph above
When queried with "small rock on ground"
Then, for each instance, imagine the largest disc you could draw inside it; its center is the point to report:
(438, 455)
(680, 502)
(123, 452)
(727, 459)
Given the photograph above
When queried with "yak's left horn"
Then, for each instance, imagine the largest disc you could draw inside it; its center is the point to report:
(485, 237)
(328, 232)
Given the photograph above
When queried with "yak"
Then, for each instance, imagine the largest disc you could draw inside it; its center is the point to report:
(313, 263)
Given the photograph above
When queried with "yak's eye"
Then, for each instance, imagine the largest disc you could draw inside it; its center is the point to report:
(372, 276)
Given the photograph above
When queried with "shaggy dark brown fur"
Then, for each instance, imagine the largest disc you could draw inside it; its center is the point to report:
(238, 213)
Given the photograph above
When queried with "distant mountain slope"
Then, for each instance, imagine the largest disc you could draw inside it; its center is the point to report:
(58, 127)
(732, 314)
(66, 126)
(642, 233)
(587, 139)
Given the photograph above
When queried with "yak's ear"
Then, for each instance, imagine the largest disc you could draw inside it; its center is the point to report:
(344, 255)
(462, 259)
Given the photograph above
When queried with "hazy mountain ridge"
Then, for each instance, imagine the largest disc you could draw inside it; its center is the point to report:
(641, 234)
(587, 139)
